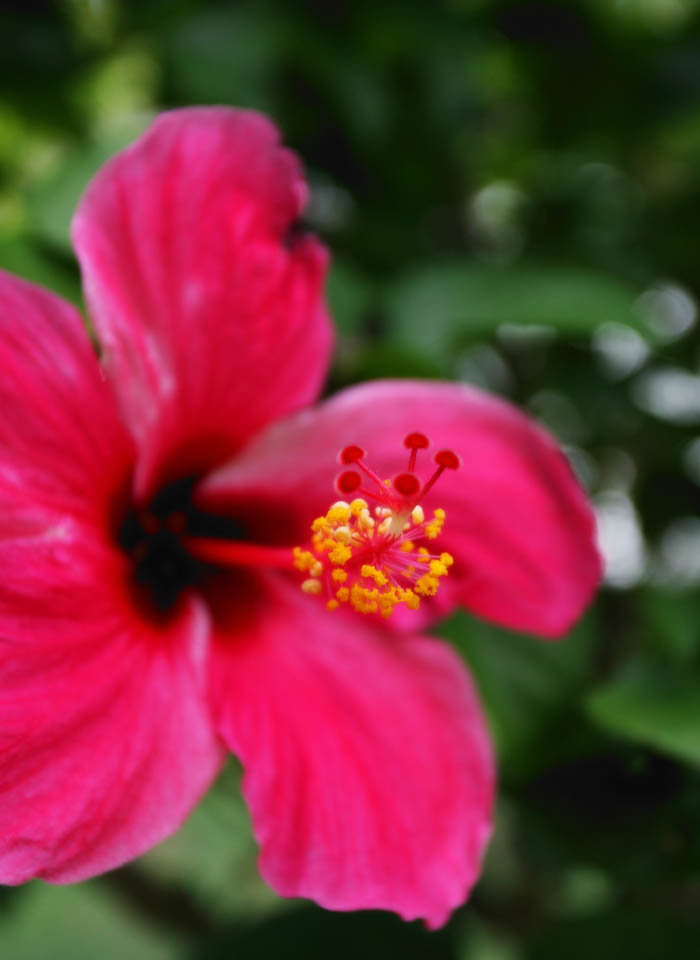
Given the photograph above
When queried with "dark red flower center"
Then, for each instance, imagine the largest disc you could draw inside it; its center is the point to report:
(159, 539)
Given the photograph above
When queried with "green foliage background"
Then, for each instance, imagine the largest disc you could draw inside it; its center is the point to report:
(512, 194)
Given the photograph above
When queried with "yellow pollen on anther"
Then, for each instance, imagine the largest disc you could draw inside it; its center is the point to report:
(304, 559)
(338, 513)
(372, 573)
(312, 586)
(340, 554)
(365, 521)
(374, 560)
(434, 528)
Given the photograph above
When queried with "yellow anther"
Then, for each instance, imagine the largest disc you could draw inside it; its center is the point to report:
(417, 514)
(447, 559)
(412, 600)
(436, 524)
(363, 600)
(338, 513)
(340, 554)
(303, 559)
(357, 506)
(426, 586)
(372, 573)
(311, 586)
(344, 534)
(406, 546)
(317, 569)
(437, 568)
(340, 576)
(365, 521)
(343, 594)
(332, 605)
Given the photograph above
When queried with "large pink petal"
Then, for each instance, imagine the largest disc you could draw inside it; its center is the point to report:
(64, 454)
(368, 768)
(210, 313)
(518, 524)
(105, 742)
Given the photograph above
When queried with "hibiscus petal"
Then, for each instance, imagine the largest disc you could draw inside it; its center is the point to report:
(368, 769)
(106, 743)
(518, 524)
(105, 740)
(208, 307)
(63, 450)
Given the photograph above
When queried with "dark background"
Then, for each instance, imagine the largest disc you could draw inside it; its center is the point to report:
(512, 195)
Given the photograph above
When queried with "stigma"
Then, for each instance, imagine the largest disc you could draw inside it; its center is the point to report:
(374, 549)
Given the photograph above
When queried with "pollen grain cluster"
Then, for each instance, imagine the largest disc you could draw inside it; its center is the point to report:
(372, 563)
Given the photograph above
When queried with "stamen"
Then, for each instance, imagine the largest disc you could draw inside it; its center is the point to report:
(371, 564)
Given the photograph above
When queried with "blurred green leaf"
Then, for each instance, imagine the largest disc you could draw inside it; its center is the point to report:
(673, 618)
(83, 920)
(616, 934)
(527, 685)
(222, 56)
(309, 932)
(349, 298)
(29, 262)
(655, 704)
(437, 308)
(52, 202)
(216, 853)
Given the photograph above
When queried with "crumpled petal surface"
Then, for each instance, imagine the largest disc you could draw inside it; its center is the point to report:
(209, 312)
(518, 524)
(368, 769)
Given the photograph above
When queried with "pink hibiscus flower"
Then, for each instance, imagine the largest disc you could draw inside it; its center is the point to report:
(151, 615)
